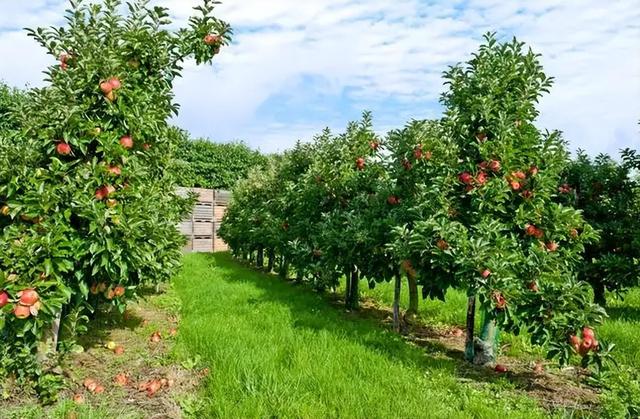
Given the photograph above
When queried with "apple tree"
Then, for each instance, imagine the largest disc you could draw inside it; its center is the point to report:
(88, 209)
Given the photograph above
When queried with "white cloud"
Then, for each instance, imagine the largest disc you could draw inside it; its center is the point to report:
(386, 56)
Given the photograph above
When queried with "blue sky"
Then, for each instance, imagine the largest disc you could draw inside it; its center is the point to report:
(298, 66)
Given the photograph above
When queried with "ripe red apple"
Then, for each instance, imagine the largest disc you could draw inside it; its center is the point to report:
(442, 245)
(99, 389)
(115, 83)
(360, 163)
(428, 155)
(155, 337)
(495, 166)
(101, 193)
(483, 165)
(118, 350)
(417, 153)
(530, 230)
(527, 194)
(374, 145)
(519, 175)
(486, 273)
(468, 188)
(64, 149)
(573, 233)
(211, 39)
(533, 170)
(21, 312)
(501, 368)
(575, 342)
(126, 141)
(78, 398)
(587, 332)
(501, 302)
(4, 298)
(466, 178)
(533, 286)
(552, 246)
(392, 200)
(481, 178)
(28, 297)
(106, 87)
(90, 384)
(114, 170)
(121, 379)
(119, 291)
(515, 185)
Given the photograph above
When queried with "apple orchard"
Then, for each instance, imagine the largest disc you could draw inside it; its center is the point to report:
(470, 201)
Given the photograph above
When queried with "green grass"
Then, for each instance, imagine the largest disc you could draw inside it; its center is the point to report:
(280, 350)
(623, 328)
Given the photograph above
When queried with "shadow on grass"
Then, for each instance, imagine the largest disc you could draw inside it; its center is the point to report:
(104, 322)
(321, 311)
(629, 314)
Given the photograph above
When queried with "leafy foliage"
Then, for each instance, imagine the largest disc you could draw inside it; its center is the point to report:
(88, 208)
(204, 164)
(608, 193)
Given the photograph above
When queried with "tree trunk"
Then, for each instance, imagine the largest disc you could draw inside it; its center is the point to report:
(486, 347)
(413, 296)
(299, 276)
(272, 257)
(471, 322)
(347, 287)
(599, 295)
(396, 302)
(260, 257)
(284, 268)
(353, 301)
(49, 342)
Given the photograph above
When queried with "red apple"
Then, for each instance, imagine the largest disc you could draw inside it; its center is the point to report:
(533, 170)
(501, 368)
(4, 299)
(64, 149)
(156, 337)
(495, 166)
(533, 286)
(106, 87)
(90, 384)
(573, 233)
(527, 194)
(486, 273)
(21, 312)
(530, 230)
(374, 145)
(442, 245)
(587, 332)
(114, 170)
(126, 141)
(501, 302)
(115, 83)
(119, 291)
(481, 178)
(407, 164)
(28, 297)
(519, 175)
(552, 246)
(417, 153)
(392, 200)
(466, 178)
(118, 350)
(78, 398)
(514, 185)
(211, 39)
(428, 155)
(121, 379)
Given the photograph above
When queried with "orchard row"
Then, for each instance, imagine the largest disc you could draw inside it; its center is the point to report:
(470, 201)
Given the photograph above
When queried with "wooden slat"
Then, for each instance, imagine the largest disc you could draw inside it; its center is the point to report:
(202, 228)
(185, 227)
(203, 211)
(203, 245)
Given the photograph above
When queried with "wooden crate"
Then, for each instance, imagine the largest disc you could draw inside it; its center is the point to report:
(203, 211)
(186, 228)
(202, 228)
(203, 244)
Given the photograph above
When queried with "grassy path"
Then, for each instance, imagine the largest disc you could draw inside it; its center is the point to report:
(276, 350)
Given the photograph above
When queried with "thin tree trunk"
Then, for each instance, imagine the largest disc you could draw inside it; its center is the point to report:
(260, 257)
(413, 295)
(354, 296)
(284, 268)
(599, 295)
(49, 342)
(299, 276)
(471, 319)
(347, 287)
(396, 302)
(272, 257)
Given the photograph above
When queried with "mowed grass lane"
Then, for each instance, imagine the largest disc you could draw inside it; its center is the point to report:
(280, 350)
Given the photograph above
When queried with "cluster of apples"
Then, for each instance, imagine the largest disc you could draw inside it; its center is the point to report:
(587, 343)
(109, 88)
(28, 303)
(109, 292)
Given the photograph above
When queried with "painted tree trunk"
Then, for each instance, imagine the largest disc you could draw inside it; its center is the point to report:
(413, 296)
(272, 257)
(49, 343)
(396, 302)
(486, 347)
(471, 319)
(354, 295)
